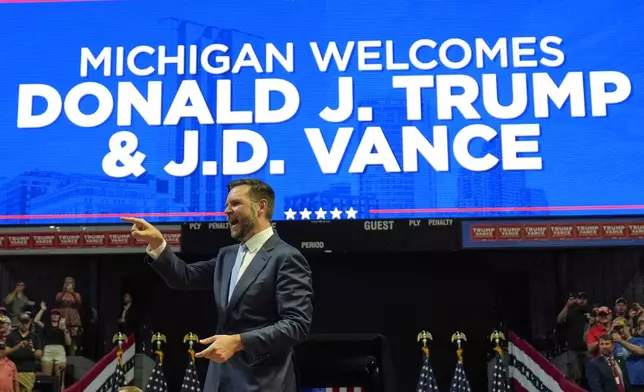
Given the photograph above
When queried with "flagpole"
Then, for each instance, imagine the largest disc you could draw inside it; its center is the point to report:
(426, 380)
(159, 339)
(191, 338)
(119, 372)
(496, 337)
(459, 380)
(191, 380)
(459, 337)
(157, 381)
(119, 338)
(499, 378)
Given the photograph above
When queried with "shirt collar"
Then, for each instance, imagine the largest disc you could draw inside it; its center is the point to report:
(258, 240)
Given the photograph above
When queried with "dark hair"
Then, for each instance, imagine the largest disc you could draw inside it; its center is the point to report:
(258, 190)
(606, 337)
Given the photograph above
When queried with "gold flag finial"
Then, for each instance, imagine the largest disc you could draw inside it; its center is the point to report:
(158, 338)
(191, 338)
(459, 337)
(496, 337)
(119, 338)
(424, 336)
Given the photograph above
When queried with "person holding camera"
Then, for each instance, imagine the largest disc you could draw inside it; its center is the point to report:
(17, 301)
(25, 349)
(56, 337)
(574, 319)
(69, 303)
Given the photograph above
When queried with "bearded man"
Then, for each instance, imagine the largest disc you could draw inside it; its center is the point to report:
(263, 294)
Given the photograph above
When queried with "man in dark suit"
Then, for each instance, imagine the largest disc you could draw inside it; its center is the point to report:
(263, 294)
(129, 320)
(607, 373)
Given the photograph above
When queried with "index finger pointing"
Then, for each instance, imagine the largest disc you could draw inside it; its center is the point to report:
(135, 221)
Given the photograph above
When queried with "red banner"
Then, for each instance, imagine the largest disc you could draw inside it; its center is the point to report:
(573, 231)
(78, 240)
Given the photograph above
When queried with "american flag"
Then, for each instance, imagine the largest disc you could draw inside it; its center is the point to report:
(191, 380)
(500, 379)
(118, 378)
(459, 381)
(426, 381)
(157, 381)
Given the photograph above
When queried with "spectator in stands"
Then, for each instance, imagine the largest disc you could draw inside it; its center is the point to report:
(3, 311)
(592, 320)
(605, 372)
(25, 350)
(69, 303)
(573, 318)
(35, 329)
(630, 348)
(8, 372)
(16, 302)
(56, 337)
(621, 308)
(601, 327)
(639, 328)
(89, 336)
(5, 328)
(129, 320)
(625, 344)
(636, 315)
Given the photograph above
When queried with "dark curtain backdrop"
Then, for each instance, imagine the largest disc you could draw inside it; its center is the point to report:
(396, 295)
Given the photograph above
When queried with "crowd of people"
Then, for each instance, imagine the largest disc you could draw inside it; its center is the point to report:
(39, 344)
(604, 344)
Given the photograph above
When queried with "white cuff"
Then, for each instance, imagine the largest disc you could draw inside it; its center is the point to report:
(155, 253)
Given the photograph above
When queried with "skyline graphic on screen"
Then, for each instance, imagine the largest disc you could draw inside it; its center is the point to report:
(403, 109)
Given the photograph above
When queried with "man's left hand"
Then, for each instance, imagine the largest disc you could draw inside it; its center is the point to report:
(222, 347)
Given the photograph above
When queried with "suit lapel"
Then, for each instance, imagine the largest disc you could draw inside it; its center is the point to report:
(228, 263)
(248, 277)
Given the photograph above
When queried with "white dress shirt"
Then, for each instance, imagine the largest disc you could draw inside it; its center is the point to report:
(254, 244)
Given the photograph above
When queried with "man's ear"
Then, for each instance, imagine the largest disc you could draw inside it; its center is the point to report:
(261, 207)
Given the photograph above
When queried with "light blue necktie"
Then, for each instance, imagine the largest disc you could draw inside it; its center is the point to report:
(238, 262)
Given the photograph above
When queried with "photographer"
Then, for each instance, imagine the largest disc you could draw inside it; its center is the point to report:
(25, 349)
(573, 318)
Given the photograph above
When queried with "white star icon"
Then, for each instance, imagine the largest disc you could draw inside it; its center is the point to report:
(290, 214)
(336, 214)
(306, 214)
(320, 214)
(351, 213)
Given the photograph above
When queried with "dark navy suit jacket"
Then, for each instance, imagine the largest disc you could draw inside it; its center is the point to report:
(271, 308)
(601, 378)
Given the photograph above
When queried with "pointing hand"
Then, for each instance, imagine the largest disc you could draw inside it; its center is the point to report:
(144, 231)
